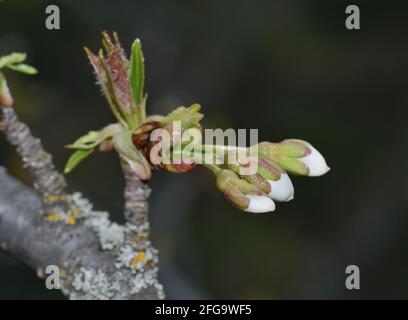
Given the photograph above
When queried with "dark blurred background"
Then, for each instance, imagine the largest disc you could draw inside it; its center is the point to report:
(289, 68)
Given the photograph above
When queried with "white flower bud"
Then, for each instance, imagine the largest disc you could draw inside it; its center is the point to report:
(260, 204)
(282, 189)
(315, 162)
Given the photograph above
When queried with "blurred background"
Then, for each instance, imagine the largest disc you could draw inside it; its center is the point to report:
(287, 67)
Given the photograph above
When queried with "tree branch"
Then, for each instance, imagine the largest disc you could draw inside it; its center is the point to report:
(47, 181)
(97, 259)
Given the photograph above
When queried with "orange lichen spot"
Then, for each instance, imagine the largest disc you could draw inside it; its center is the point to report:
(140, 257)
(70, 220)
(54, 198)
(142, 234)
(50, 198)
(53, 217)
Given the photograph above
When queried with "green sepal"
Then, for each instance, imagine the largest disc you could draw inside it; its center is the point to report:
(269, 169)
(255, 179)
(289, 148)
(294, 166)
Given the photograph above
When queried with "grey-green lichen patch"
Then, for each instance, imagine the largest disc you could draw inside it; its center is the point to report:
(110, 234)
(127, 255)
(136, 259)
(146, 279)
(93, 284)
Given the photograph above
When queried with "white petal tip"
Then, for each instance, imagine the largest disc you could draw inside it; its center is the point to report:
(316, 163)
(282, 190)
(260, 204)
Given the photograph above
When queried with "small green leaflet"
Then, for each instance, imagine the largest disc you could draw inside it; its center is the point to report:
(76, 158)
(188, 117)
(14, 61)
(12, 58)
(93, 138)
(137, 75)
(23, 68)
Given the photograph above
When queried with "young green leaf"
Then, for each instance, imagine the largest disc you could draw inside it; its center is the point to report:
(12, 58)
(23, 68)
(93, 138)
(76, 158)
(188, 117)
(137, 76)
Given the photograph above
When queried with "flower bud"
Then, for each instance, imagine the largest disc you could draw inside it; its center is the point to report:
(280, 183)
(242, 194)
(255, 179)
(315, 162)
(270, 177)
(296, 156)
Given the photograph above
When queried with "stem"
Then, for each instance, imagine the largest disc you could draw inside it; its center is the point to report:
(47, 180)
(213, 167)
(217, 152)
(136, 197)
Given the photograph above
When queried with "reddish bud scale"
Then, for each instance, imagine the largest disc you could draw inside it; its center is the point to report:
(6, 100)
(118, 70)
(140, 140)
(171, 167)
(178, 168)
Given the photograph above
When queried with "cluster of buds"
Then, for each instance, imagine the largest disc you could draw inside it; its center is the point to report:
(269, 177)
(143, 142)
(273, 162)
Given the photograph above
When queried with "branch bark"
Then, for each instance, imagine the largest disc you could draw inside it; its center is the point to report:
(97, 259)
(47, 181)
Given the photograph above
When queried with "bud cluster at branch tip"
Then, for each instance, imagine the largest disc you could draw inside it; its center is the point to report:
(146, 142)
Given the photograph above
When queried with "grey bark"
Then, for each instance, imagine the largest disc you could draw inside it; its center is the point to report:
(48, 181)
(98, 259)
(26, 236)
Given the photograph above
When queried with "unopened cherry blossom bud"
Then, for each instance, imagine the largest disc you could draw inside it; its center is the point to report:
(242, 194)
(295, 156)
(280, 183)
(255, 179)
(270, 177)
